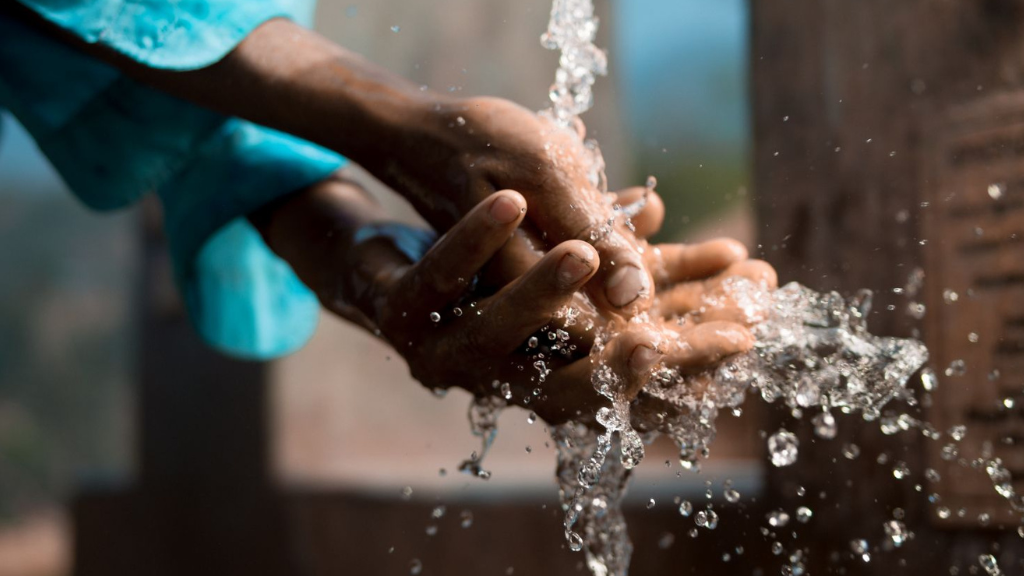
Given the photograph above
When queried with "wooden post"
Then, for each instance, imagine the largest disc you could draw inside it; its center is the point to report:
(203, 502)
(889, 136)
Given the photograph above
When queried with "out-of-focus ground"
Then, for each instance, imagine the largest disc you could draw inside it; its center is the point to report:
(345, 412)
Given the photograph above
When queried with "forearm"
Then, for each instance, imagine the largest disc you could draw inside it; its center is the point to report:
(291, 79)
(294, 80)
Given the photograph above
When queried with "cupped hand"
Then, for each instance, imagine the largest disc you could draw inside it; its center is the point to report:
(451, 337)
(465, 150)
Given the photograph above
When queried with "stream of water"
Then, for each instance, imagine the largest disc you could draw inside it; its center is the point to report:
(814, 354)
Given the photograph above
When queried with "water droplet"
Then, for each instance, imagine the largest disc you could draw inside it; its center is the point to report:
(859, 546)
(929, 381)
(777, 518)
(732, 495)
(431, 530)
(685, 508)
(415, 567)
(901, 470)
(506, 390)
(438, 512)
(407, 493)
(949, 452)
(949, 296)
(532, 342)
(650, 503)
(466, 519)
(783, 447)
(942, 512)
(996, 191)
(851, 451)
(666, 540)
(804, 514)
(956, 368)
(896, 531)
(651, 183)
(988, 561)
(932, 475)
(888, 425)
(457, 311)
(435, 317)
(825, 425)
(706, 519)
(777, 548)
(958, 432)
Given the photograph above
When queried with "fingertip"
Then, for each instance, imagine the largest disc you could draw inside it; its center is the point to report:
(767, 272)
(627, 283)
(507, 207)
(734, 249)
(643, 358)
(733, 338)
(757, 271)
(579, 262)
(651, 216)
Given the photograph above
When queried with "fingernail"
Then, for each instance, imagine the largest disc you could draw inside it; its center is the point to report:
(625, 285)
(572, 269)
(643, 358)
(504, 210)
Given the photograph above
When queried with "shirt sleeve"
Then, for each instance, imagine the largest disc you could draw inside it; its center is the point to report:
(243, 299)
(113, 140)
(175, 35)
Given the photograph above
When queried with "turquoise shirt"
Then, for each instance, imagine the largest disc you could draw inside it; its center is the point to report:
(113, 140)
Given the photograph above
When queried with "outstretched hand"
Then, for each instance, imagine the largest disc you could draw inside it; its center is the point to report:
(492, 343)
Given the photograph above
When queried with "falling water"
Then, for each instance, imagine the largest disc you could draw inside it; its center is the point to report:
(813, 354)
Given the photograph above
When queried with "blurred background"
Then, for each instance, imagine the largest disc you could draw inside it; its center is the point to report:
(343, 413)
(877, 143)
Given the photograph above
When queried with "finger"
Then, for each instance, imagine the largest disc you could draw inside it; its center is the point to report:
(624, 366)
(564, 212)
(514, 259)
(649, 219)
(530, 302)
(444, 272)
(700, 346)
(690, 296)
(671, 263)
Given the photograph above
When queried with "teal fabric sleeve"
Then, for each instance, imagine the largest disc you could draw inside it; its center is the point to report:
(113, 140)
(243, 299)
(170, 34)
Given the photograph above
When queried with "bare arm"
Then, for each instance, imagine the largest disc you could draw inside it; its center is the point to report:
(444, 155)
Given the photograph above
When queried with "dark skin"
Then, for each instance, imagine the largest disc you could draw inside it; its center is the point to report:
(458, 161)
(372, 283)
(291, 79)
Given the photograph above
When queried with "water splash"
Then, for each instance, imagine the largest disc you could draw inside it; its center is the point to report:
(813, 350)
(483, 421)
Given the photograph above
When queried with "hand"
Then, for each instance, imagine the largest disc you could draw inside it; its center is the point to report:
(450, 338)
(448, 335)
(444, 155)
(692, 280)
(459, 152)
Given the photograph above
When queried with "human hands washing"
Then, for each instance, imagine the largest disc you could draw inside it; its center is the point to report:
(453, 334)
(447, 156)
